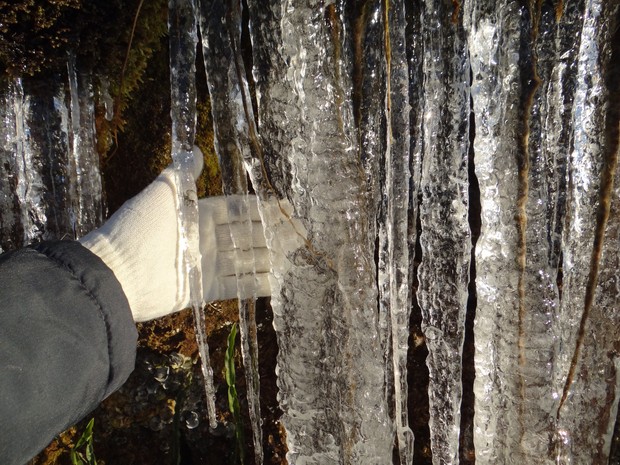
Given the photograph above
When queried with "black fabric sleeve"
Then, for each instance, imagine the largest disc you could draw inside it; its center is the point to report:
(67, 340)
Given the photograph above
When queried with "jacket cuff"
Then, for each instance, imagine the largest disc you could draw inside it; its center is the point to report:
(111, 301)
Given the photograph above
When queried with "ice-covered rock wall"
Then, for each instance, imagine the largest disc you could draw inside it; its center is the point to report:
(378, 121)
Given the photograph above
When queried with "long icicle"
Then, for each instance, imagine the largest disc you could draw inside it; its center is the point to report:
(445, 238)
(227, 87)
(397, 180)
(183, 41)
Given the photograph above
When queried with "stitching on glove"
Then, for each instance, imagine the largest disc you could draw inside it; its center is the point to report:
(51, 255)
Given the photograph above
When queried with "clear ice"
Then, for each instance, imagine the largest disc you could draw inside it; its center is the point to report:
(232, 124)
(183, 33)
(445, 240)
(546, 180)
(50, 185)
(331, 381)
(357, 123)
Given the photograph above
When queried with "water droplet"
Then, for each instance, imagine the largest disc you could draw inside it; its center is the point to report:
(161, 373)
(191, 420)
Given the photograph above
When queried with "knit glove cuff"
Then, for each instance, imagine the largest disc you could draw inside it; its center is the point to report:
(139, 243)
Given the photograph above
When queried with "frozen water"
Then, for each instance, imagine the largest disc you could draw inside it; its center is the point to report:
(445, 237)
(353, 139)
(393, 232)
(83, 156)
(183, 33)
(366, 115)
(590, 300)
(331, 381)
(50, 186)
(233, 124)
(493, 42)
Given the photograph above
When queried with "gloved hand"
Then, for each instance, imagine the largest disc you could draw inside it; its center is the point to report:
(140, 244)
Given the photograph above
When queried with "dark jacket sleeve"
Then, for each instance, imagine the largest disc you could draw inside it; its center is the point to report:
(67, 340)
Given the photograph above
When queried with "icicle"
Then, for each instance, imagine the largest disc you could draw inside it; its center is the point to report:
(30, 190)
(588, 396)
(183, 41)
(13, 209)
(445, 238)
(544, 118)
(330, 361)
(10, 217)
(369, 101)
(397, 178)
(51, 161)
(228, 89)
(83, 155)
(367, 42)
(494, 31)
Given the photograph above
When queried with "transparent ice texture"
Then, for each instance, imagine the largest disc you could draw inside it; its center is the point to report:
(29, 209)
(494, 32)
(367, 43)
(228, 89)
(13, 206)
(523, 136)
(42, 197)
(445, 237)
(182, 29)
(330, 361)
(83, 156)
(540, 160)
(590, 307)
(395, 270)
(547, 125)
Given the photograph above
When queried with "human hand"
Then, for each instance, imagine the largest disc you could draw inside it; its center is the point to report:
(235, 258)
(140, 244)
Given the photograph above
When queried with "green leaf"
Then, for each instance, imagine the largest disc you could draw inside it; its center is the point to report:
(86, 441)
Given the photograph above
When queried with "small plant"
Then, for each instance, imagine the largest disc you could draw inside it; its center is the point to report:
(233, 399)
(87, 456)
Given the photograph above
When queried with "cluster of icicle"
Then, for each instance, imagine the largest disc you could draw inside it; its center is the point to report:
(483, 133)
(50, 187)
(366, 119)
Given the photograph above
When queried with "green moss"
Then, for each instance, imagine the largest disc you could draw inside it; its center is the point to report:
(142, 149)
(36, 36)
(127, 61)
(210, 182)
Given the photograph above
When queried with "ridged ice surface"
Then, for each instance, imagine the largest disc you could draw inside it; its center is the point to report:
(493, 41)
(330, 379)
(83, 156)
(357, 124)
(233, 123)
(542, 161)
(183, 34)
(445, 238)
(590, 307)
(516, 70)
(50, 186)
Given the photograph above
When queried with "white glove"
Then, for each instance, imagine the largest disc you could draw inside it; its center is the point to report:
(235, 259)
(139, 243)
